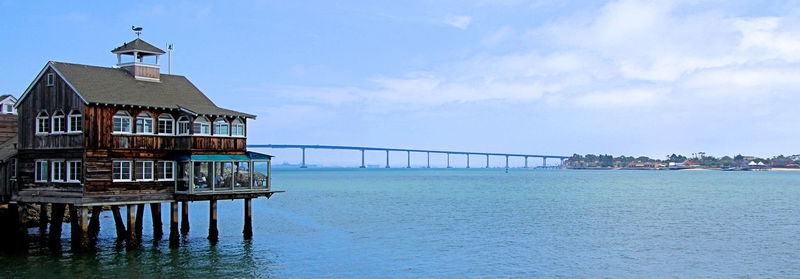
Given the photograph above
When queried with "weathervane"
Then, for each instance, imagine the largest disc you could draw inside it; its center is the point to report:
(137, 30)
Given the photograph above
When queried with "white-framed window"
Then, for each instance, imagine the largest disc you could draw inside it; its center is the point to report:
(51, 79)
(144, 170)
(202, 126)
(59, 126)
(221, 127)
(184, 126)
(122, 122)
(41, 171)
(167, 170)
(144, 123)
(166, 125)
(42, 123)
(237, 129)
(58, 171)
(9, 108)
(75, 123)
(74, 171)
(121, 170)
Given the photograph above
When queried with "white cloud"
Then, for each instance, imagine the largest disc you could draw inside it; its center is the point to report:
(461, 22)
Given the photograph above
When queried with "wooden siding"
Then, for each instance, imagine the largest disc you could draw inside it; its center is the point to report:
(49, 99)
(8, 127)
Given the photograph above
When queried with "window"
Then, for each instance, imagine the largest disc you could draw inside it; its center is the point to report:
(74, 171)
(165, 124)
(167, 169)
(41, 171)
(122, 122)
(59, 126)
(202, 126)
(51, 79)
(237, 129)
(121, 170)
(9, 108)
(13, 168)
(144, 123)
(42, 123)
(183, 126)
(144, 170)
(58, 171)
(75, 123)
(221, 127)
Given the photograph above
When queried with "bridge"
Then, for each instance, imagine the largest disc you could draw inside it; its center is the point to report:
(408, 153)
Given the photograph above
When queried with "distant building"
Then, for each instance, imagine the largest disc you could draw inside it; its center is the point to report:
(7, 103)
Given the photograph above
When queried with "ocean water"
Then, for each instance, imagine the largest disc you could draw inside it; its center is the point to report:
(466, 223)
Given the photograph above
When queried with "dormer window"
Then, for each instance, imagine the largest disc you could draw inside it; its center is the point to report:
(122, 122)
(144, 123)
(59, 125)
(51, 79)
(237, 129)
(184, 126)
(221, 127)
(166, 124)
(42, 123)
(202, 126)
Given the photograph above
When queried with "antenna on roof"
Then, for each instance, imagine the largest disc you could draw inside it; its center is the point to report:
(137, 30)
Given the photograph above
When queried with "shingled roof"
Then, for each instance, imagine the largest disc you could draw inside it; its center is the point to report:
(139, 45)
(114, 86)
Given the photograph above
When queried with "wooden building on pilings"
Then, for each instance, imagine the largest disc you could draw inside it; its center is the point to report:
(130, 136)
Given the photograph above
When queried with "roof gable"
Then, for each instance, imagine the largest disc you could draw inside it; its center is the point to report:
(137, 45)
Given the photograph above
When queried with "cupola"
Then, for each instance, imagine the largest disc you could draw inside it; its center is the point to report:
(144, 65)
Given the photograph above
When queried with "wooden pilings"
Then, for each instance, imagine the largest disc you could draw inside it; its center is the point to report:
(94, 222)
(121, 232)
(79, 217)
(248, 219)
(139, 219)
(173, 224)
(185, 218)
(213, 233)
(155, 212)
(55, 225)
(132, 237)
(43, 218)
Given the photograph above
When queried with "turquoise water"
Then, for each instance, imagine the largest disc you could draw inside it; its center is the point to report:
(401, 223)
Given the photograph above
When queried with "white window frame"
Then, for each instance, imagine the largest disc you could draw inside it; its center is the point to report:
(121, 169)
(203, 122)
(43, 116)
(72, 115)
(144, 165)
(38, 170)
(58, 116)
(144, 120)
(218, 124)
(9, 108)
(122, 118)
(70, 173)
(57, 175)
(168, 121)
(50, 80)
(183, 121)
(162, 166)
(238, 123)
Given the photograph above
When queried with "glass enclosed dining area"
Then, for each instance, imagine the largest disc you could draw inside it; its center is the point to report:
(223, 173)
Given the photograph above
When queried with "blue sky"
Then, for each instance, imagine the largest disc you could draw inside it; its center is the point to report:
(560, 77)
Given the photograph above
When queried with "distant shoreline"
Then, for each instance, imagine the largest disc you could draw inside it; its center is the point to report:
(686, 169)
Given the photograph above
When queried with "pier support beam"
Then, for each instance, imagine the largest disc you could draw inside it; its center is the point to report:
(408, 154)
(304, 158)
(185, 218)
(467, 160)
(448, 160)
(173, 224)
(121, 232)
(248, 219)
(133, 238)
(526, 162)
(158, 227)
(94, 222)
(487, 161)
(79, 217)
(506, 161)
(429, 159)
(362, 159)
(387, 159)
(213, 233)
(43, 218)
(55, 225)
(139, 219)
(544, 161)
